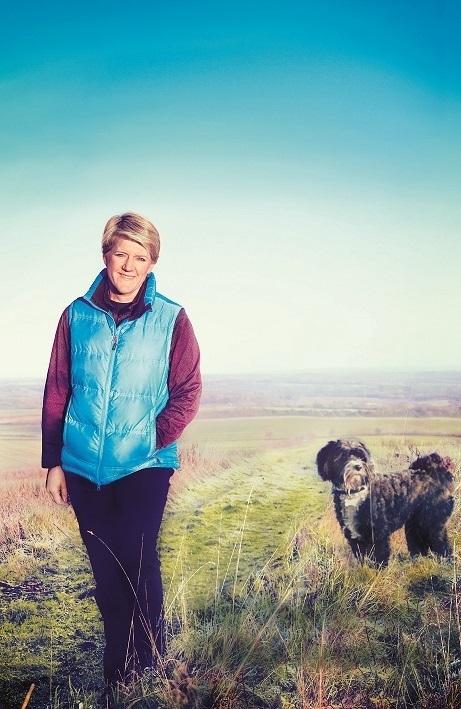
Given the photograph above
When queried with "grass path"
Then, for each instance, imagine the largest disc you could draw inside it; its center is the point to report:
(50, 626)
(238, 517)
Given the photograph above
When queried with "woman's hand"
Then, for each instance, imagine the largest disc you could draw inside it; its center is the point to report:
(56, 485)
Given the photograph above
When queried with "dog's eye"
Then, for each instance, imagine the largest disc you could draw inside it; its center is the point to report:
(359, 454)
(357, 467)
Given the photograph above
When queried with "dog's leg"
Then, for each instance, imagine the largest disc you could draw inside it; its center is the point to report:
(355, 546)
(438, 537)
(439, 542)
(417, 541)
(362, 550)
(359, 549)
(382, 551)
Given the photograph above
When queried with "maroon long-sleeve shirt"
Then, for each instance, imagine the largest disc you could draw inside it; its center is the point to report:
(184, 381)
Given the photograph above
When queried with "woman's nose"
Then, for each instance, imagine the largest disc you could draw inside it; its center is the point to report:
(128, 265)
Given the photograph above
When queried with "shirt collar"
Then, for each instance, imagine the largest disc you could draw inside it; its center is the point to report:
(98, 294)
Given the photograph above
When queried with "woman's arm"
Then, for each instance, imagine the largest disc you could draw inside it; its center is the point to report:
(184, 383)
(56, 395)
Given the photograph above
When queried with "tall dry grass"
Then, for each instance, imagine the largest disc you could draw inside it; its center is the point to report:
(307, 628)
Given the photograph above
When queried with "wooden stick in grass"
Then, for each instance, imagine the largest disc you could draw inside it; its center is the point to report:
(28, 696)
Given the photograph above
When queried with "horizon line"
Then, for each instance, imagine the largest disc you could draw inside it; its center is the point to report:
(291, 372)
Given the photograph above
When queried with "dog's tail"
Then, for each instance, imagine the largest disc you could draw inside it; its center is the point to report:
(437, 467)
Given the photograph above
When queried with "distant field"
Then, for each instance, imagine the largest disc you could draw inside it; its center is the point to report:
(272, 431)
(20, 433)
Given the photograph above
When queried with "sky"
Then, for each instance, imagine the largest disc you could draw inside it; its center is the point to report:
(301, 161)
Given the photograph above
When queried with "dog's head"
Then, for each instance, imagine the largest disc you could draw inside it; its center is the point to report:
(346, 464)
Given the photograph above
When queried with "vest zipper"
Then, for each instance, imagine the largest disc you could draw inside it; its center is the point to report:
(106, 402)
(115, 339)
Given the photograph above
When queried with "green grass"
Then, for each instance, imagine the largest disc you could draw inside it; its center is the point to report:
(241, 515)
(266, 607)
(221, 527)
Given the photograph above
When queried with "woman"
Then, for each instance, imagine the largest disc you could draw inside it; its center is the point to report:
(123, 383)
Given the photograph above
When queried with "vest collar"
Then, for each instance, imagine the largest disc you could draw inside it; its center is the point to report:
(149, 293)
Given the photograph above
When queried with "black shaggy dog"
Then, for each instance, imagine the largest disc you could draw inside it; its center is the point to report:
(370, 506)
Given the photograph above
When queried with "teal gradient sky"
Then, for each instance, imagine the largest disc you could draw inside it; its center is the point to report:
(301, 161)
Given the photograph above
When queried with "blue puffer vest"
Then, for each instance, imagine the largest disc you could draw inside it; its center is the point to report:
(119, 379)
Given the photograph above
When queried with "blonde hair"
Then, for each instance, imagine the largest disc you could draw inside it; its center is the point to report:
(135, 227)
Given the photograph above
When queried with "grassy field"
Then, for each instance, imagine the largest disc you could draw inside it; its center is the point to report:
(265, 606)
(20, 444)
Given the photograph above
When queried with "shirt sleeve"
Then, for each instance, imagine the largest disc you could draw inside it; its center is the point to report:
(184, 383)
(56, 395)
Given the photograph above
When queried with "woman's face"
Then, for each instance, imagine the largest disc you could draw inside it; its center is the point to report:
(128, 264)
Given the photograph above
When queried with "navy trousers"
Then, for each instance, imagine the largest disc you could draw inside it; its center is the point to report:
(119, 525)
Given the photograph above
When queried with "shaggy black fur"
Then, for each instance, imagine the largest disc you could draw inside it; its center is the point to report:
(370, 506)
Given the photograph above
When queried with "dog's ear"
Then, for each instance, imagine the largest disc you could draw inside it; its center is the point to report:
(325, 460)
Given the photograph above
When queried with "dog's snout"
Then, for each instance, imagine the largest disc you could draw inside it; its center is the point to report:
(358, 466)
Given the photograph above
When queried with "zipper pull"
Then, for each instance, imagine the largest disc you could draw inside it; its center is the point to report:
(114, 341)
